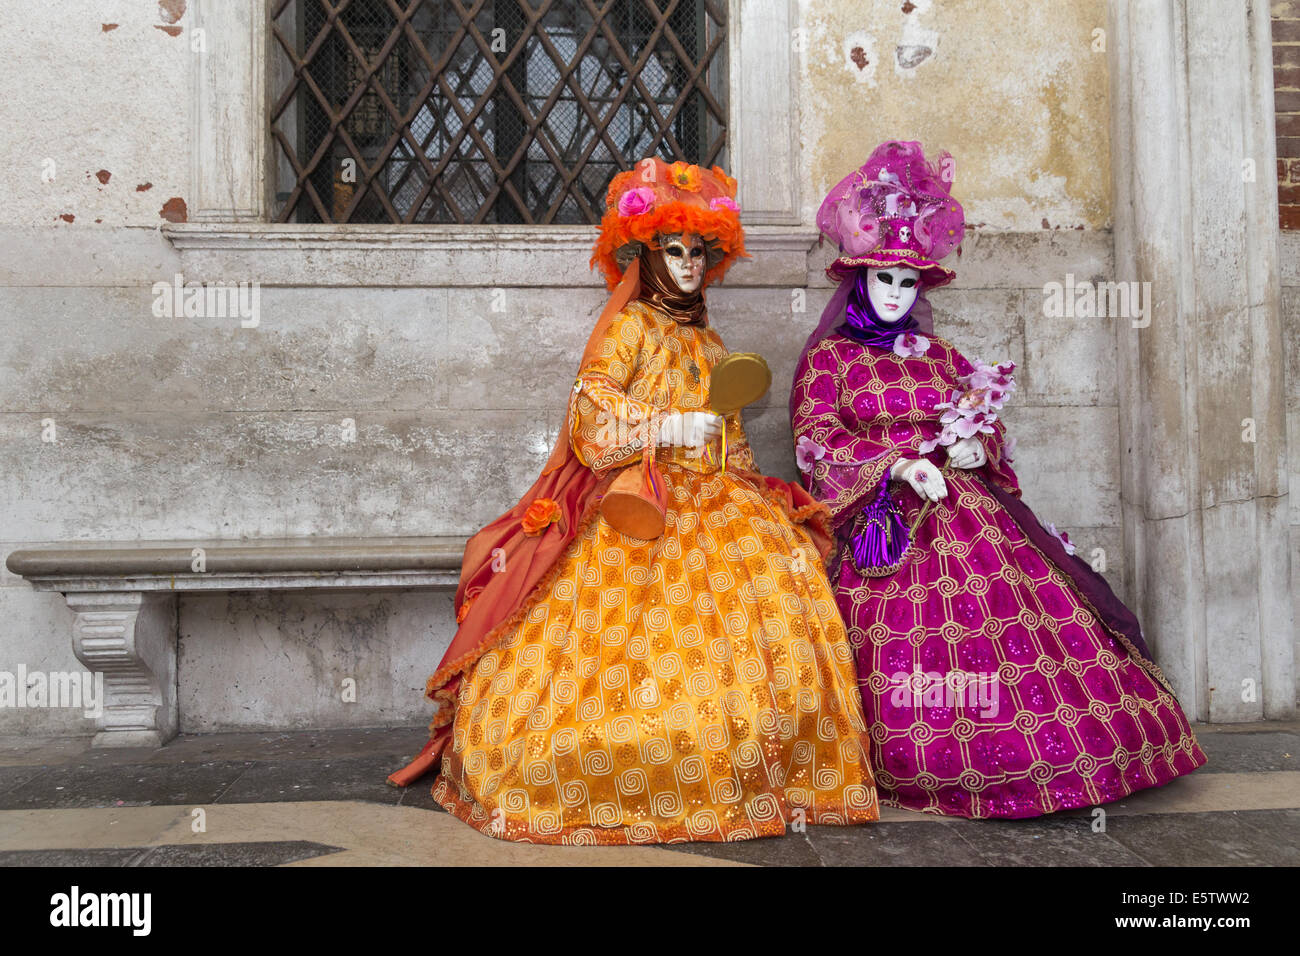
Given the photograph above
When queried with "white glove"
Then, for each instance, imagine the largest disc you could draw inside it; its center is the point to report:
(689, 429)
(967, 453)
(922, 476)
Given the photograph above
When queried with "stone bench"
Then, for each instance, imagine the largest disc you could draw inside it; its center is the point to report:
(124, 598)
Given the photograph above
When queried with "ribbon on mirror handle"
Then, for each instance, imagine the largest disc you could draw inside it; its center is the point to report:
(881, 544)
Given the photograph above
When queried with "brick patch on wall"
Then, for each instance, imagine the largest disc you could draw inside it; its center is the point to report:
(1286, 91)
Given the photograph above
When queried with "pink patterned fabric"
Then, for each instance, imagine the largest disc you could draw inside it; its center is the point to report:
(991, 685)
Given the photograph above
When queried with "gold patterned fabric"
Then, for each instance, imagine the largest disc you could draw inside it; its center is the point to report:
(649, 365)
(699, 686)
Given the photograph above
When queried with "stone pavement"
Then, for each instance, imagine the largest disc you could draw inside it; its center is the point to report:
(318, 798)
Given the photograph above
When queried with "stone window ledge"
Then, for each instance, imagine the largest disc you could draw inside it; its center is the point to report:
(289, 254)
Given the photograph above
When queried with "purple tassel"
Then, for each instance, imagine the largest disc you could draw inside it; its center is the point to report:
(883, 537)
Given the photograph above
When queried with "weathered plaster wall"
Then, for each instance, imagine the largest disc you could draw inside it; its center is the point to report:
(95, 114)
(1289, 256)
(194, 428)
(173, 428)
(94, 156)
(1015, 91)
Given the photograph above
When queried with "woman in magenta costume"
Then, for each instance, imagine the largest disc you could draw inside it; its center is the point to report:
(1000, 675)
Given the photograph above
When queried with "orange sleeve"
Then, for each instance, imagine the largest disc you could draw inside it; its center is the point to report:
(609, 428)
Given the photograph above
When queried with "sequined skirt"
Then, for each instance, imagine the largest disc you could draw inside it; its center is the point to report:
(699, 686)
(990, 688)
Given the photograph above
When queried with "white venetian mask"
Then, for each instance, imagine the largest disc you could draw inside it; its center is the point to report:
(684, 256)
(892, 291)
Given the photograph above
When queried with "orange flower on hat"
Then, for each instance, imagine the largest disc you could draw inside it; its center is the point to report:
(541, 513)
(728, 181)
(684, 176)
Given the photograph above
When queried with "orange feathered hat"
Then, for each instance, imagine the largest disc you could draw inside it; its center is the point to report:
(660, 198)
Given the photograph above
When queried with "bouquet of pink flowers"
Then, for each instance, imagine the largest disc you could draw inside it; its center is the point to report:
(975, 409)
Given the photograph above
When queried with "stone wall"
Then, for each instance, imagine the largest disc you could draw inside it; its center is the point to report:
(1289, 249)
(453, 360)
(193, 428)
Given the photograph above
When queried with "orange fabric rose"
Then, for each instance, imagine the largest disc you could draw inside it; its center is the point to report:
(728, 181)
(542, 512)
(685, 176)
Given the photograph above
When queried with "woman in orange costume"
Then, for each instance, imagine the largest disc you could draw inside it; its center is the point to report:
(698, 685)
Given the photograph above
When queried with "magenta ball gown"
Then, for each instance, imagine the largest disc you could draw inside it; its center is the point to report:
(1000, 676)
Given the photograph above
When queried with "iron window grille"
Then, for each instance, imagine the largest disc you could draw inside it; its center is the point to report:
(486, 111)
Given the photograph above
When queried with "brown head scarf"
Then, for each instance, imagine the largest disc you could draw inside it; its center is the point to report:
(660, 289)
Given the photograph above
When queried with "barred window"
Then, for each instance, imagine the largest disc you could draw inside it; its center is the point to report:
(486, 111)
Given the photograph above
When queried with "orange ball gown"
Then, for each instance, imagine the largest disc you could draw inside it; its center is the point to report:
(696, 686)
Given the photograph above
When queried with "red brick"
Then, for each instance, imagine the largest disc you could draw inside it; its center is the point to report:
(1288, 147)
(1281, 171)
(1295, 170)
(1286, 101)
(1286, 56)
(1288, 124)
(1286, 77)
(1286, 31)
(1289, 195)
(1289, 218)
(1284, 9)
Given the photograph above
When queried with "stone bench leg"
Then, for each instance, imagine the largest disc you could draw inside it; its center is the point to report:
(131, 637)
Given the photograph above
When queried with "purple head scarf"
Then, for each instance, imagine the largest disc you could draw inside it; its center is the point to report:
(863, 324)
(835, 317)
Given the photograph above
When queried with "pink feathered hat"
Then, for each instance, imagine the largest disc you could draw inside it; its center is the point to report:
(895, 210)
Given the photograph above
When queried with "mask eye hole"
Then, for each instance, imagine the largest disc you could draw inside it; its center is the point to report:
(885, 277)
(675, 249)
(908, 283)
(697, 252)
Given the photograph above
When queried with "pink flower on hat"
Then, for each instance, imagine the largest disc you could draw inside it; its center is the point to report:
(724, 202)
(634, 202)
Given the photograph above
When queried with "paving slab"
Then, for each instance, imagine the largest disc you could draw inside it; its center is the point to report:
(1222, 838)
(1250, 752)
(125, 785)
(320, 798)
(346, 778)
(269, 853)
